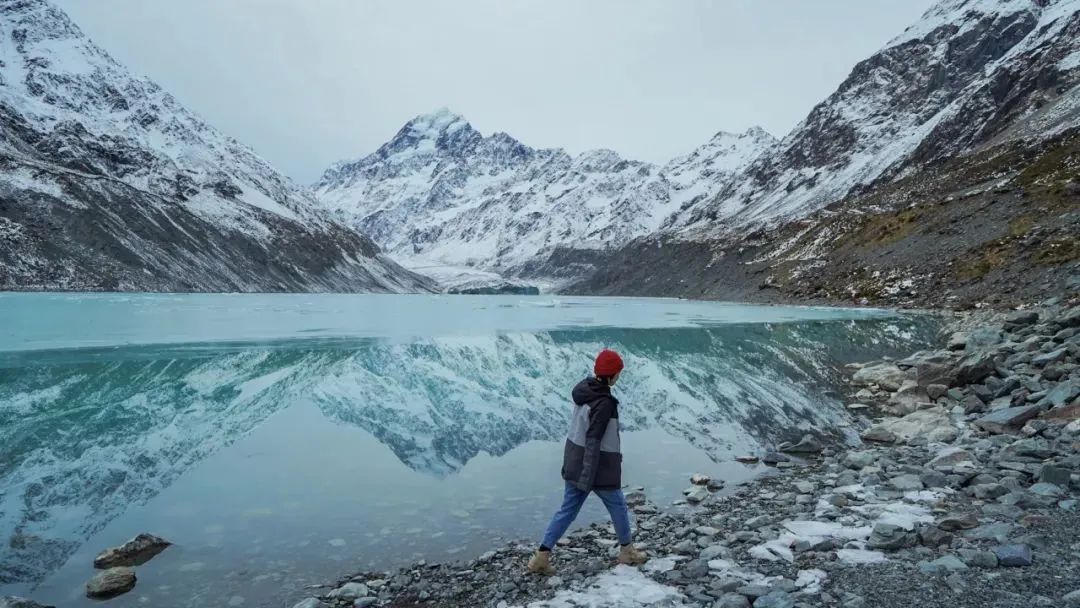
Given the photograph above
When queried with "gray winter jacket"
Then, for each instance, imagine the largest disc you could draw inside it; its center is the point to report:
(592, 459)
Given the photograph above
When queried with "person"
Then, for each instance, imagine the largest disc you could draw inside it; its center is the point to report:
(592, 463)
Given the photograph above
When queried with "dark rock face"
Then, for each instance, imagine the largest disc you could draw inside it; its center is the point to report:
(108, 183)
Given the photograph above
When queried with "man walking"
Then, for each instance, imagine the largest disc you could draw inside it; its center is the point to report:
(592, 462)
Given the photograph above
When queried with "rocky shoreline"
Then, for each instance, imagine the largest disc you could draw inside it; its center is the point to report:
(963, 493)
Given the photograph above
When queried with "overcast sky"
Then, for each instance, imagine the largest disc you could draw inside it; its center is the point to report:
(310, 82)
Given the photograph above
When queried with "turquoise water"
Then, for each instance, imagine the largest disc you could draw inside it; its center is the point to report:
(282, 440)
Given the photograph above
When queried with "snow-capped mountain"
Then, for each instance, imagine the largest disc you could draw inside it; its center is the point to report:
(969, 73)
(109, 183)
(442, 193)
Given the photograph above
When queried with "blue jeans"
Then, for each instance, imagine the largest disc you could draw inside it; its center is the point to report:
(572, 501)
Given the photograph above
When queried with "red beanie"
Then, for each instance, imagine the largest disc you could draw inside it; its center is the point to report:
(608, 363)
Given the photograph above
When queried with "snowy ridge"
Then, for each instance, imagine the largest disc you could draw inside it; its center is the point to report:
(444, 194)
(109, 156)
(960, 76)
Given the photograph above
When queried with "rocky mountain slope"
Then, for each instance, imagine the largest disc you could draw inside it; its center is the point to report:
(107, 182)
(974, 88)
(442, 193)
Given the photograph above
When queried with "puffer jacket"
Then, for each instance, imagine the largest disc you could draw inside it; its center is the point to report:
(592, 459)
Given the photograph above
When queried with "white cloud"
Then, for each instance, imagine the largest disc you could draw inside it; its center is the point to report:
(310, 82)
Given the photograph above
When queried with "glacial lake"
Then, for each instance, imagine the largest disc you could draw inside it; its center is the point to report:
(285, 440)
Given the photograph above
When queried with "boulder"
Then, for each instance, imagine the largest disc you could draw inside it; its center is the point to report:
(1021, 318)
(20, 602)
(806, 445)
(887, 375)
(936, 391)
(973, 368)
(858, 460)
(732, 600)
(1072, 600)
(949, 458)
(958, 521)
(922, 423)
(1059, 476)
(1063, 393)
(890, 536)
(775, 599)
(942, 566)
(933, 536)
(908, 397)
(1049, 358)
(878, 434)
(111, 583)
(978, 559)
(1007, 420)
(1013, 555)
(134, 552)
(311, 602)
(983, 337)
(700, 479)
(349, 591)
(747, 459)
(957, 341)
(906, 483)
(696, 494)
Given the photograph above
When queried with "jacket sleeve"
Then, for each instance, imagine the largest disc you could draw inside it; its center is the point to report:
(599, 415)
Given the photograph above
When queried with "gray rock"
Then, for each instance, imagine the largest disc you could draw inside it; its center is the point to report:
(972, 404)
(878, 434)
(1054, 356)
(1072, 600)
(859, 460)
(890, 537)
(349, 591)
(753, 591)
(958, 521)
(775, 599)
(973, 368)
(1021, 318)
(949, 458)
(20, 602)
(942, 566)
(983, 337)
(936, 391)
(808, 444)
(988, 491)
(311, 602)
(758, 522)
(978, 559)
(111, 583)
(774, 458)
(934, 479)
(134, 552)
(886, 375)
(365, 602)
(933, 536)
(1046, 489)
(1063, 393)
(1013, 555)
(732, 600)
(906, 483)
(997, 531)
(696, 494)
(1008, 419)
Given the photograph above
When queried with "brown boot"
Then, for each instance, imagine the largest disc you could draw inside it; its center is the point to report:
(630, 556)
(540, 563)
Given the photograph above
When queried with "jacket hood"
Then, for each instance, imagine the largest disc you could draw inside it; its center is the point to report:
(589, 390)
